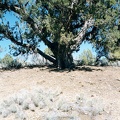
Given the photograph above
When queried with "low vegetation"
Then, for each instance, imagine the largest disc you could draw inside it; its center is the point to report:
(54, 106)
(9, 63)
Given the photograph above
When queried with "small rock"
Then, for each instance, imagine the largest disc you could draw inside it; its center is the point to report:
(92, 95)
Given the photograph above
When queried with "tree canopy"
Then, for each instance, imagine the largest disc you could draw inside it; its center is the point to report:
(62, 25)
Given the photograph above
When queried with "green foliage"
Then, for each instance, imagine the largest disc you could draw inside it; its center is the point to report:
(114, 42)
(87, 58)
(48, 52)
(115, 54)
(9, 63)
(15, 65)
(7, 59)
(108, 31)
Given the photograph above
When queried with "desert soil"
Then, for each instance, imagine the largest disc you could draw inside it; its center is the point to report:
(99, 83)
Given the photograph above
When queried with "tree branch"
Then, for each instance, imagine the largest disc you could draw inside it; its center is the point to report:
(25, 17)
(80, 37)
(8, 35)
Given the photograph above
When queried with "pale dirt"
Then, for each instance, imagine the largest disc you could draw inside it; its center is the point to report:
(101, 83)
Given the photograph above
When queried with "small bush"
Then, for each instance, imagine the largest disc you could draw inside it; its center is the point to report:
(57, 109)
(14, 64)
(9, 63)
(87, 58)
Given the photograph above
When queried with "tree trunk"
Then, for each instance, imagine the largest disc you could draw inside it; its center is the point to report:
(65, 60)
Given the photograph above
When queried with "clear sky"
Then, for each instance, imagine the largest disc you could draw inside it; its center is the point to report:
(5, 43)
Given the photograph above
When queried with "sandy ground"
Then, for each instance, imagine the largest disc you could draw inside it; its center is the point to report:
(101, 83)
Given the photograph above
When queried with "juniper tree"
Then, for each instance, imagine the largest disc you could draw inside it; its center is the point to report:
(62, 25)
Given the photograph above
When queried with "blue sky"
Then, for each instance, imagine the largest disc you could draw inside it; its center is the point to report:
(5, 43)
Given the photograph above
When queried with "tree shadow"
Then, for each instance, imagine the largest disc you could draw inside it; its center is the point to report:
(88, 68)
(76, 68)
(10, 69)
(22, 67)
(52, 68)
